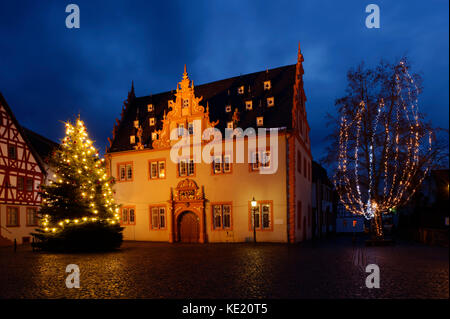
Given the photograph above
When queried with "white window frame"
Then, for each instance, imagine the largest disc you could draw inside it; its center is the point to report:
(158, 217)
(220, 212)
(157, 169)
(186, 167)
(257, 163)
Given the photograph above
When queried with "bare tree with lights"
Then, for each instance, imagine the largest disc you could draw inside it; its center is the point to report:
(382, 148)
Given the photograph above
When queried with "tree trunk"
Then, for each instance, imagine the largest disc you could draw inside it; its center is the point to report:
(377, 224)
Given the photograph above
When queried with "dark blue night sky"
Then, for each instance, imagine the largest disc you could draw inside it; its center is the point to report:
(49, 73)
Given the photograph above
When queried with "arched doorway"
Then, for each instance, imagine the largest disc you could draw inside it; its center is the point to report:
(188, 227)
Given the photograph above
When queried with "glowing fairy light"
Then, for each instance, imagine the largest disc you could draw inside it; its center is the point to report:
(380, 168)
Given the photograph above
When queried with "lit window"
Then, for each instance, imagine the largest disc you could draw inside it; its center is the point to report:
(248, 105)
(154, 136)
(241, 90)
(32, 217)
(221, 216)
(132, 217)
(125, 172)
(128, 216)
(262, 216)
(222, 164)
(267, 85)
(265, 216)
(226, 163)
(158, 217)
(186, 167)
(136, 124)
(217, 165)
(260, 159)
(132, 139)
(157, 169)
(122, 173)
(12, 217)
(185, 103)
(270, 101)
(230, 125)
(228, 108)
(150, 107)
(152, 121)
(129, 172)
(259, 121)
(124, 215)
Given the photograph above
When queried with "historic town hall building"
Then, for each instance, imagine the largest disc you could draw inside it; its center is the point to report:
(193, 200)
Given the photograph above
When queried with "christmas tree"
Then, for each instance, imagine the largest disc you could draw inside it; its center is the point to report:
(78, 209)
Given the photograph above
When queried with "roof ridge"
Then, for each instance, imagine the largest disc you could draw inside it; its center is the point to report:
(218, 81)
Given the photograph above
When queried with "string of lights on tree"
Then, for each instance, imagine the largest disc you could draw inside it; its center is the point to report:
(80, 190)
(379, 154)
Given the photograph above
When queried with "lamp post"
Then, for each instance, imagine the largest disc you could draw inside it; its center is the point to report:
(254, 203)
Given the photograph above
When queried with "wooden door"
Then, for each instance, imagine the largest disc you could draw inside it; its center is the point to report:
(189, 228)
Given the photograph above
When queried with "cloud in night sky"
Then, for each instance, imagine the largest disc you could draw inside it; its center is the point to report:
(50, 74)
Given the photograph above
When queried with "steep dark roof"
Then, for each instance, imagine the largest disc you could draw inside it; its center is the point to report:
(218, 94)
(22, 133)
(41, 144)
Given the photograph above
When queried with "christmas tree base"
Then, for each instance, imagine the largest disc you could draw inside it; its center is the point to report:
(88, 237)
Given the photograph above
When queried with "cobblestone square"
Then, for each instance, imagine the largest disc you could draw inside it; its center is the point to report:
(328, 269)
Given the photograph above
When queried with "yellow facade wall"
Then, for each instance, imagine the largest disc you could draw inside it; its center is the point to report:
(237, 187)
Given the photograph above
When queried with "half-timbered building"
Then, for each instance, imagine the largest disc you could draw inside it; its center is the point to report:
(195, 200)
(22, 171)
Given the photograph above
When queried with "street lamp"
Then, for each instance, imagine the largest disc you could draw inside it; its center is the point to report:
(254, 203)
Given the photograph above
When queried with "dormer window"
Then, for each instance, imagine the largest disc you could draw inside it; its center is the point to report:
(248, 105)
(230, 125)
(228, 108)
(267, 85)
(136, 124)
(185, 103)
(241, 90)
(150, 107)
(270, 101)
(154, 136)
(132, 139)
(260, 121)
(152, 121)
